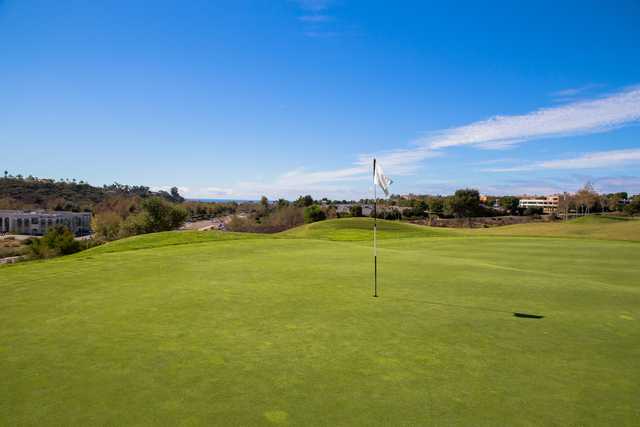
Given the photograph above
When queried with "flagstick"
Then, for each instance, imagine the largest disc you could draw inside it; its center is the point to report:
(375, 229)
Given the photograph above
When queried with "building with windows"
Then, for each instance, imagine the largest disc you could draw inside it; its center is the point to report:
(37, 223)
(345, 208)
(548, 204)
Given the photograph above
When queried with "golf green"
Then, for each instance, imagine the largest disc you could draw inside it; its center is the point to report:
(208, 328)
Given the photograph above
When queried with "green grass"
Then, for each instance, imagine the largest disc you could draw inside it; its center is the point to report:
(355, 229)
(169, 238)
(217, 329)
(592, 227)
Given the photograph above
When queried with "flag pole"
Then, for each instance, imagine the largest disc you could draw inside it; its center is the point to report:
(375, 229)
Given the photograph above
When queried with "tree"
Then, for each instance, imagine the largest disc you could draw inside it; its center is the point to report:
(533, 211)
(285, 218)
(355, 210)
(304, 201)
(58, 241)
(586, 198)
(510, 204)
(615, 200)
(435, 204)
(106, 225)
(160, 215)
(633, 208)
(313, 213)
(464, 203)
(175, 195)
(566, 203)
(264, 203)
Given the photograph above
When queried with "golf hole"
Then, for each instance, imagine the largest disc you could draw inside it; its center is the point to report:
(527, 315)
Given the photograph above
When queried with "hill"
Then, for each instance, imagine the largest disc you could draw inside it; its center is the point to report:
(37, 193)
(214, 328)
(359, 229)
(592, 227)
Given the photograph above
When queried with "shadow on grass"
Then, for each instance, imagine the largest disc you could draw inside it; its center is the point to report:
(471, 307)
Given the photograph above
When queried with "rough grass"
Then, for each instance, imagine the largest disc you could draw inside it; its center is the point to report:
(277, 330)
(10, 247)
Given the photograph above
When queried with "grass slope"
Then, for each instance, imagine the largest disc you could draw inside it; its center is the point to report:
(593, 227)
(168, 238)
(360, 229)
(282, 329)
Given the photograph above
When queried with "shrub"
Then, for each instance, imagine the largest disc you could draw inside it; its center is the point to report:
(633, 208)
(304, 201)
(313, 213)
(58, 241)
(158, 215)
(533, 211)
(107, 225)
(463, 204)
(286, 217)
(355, 210)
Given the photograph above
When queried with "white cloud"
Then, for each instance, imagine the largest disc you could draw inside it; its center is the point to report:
(599, 159)
(618, 183)
(500, 132)
(569, 93)
(598, 115)
(314, 5)
(315, 18)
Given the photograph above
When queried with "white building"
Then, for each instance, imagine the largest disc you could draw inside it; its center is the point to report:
(346, 208)
(548, 204)
(37, 223)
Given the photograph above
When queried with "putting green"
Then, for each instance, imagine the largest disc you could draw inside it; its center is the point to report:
(204, 328)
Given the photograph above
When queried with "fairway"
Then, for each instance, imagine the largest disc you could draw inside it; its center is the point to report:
(211, 328)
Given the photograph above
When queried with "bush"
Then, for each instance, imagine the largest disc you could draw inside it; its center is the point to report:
(304, 201)
(392, 215)
(134, 224)
(633, 208)
(313, 213)
(10, 247)
(107, 225)
(463, 204)
(286, 217)
(533, 211)
(158, 215)
(355, 211)
(58, 241)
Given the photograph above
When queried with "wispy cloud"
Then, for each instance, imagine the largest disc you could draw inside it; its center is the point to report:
(584, 117)
(597, 115)
(315, 19)
(599, 159)
(314, 5)
(571, 93)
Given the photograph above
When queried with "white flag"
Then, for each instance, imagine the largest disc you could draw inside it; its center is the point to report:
(380, 179)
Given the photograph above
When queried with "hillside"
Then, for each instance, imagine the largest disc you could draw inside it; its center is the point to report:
(592, 227)
(355, 229)
(36, 193)
(213, 328)
(168, 238)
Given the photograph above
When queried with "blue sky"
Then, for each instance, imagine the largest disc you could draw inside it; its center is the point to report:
(235, 99)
